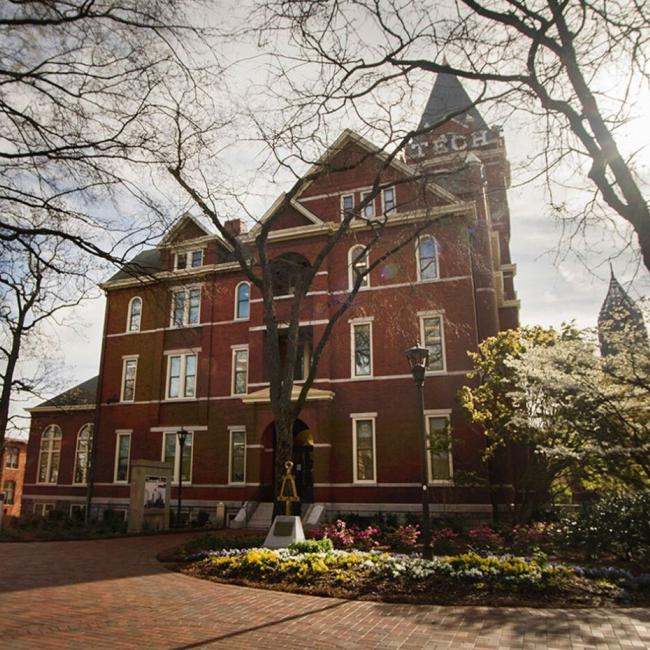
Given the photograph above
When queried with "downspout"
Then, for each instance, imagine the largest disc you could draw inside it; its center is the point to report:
(98, 399)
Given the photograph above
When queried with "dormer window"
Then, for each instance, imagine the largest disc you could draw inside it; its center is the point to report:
(188, 259)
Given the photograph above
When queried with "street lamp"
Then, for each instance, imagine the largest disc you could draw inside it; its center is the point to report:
(417, 357)
(182, 435)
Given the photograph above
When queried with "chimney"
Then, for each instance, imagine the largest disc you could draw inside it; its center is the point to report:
(233, 227)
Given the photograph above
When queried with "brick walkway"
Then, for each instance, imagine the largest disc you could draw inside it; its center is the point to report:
(114, 594)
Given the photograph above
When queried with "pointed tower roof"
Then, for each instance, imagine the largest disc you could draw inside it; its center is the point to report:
(449, 97)
(619, 314)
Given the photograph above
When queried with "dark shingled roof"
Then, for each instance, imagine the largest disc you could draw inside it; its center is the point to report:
(448, 97)
(84, 393)
(145, 262)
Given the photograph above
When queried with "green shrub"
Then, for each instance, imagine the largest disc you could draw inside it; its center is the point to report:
(323, 545)
(616, 525)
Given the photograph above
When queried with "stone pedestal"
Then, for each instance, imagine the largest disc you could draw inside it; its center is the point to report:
(150, 496)
(284, 530)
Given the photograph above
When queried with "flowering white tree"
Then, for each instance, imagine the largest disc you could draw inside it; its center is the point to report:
(568, 416)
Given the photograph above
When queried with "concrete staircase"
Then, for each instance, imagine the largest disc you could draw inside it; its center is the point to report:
(262, 517)
(312, 515)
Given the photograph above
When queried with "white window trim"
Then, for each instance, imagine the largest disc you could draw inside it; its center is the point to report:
(441, 315)
(343, 196)
(351, 268)
(76, 454)
(177, 458)
(188, 252)
(186, 307)
(372, 204)
(355, 419)
(353, 324)
(125, 359)
(383, 202)
(49, 457)
(417, 258)
(182, 376)
(438, 413)
(235, 349)
(128, 314)
(241, 318)
(7, 456)
(81, 506)
(119, 434)
(43, 506)
(231, 430)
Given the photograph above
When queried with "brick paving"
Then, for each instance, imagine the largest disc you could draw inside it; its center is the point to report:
(114, 594)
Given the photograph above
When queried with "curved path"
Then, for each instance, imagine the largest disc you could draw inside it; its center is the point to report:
(114, 594)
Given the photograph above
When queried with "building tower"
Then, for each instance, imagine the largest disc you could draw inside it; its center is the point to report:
(620, 321)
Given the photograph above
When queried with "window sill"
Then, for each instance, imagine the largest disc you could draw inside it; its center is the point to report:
(365, 483)
(441, 482)
(180, 399)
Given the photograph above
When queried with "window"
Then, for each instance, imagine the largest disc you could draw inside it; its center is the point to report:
(240, 371)
(135, 315)
(358, 264)
(237, 457)
(82, 454)
(172, 453)
(186, 306)
(9, 488)
(122, 451)
(288, 272)
(303, 361)
(129, 370)
(77, 511)
(432, 338)
(181, 376)
(388, 200)
(369, 208)
(439, 457)
(363, 443)
(42, 509)
(427, 258)
(361, 349)
(49, 455)
(11, 457)
(187, 259)
(347, 205)
(242, 301)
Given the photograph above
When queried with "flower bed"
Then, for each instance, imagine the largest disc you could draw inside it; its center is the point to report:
(315, 567)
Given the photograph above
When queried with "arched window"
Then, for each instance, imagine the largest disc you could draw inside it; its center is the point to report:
(50, 454)
(358, 265)
(243, 301)
(427, 258)
(135, 314)
(82, 455)
(287, 270)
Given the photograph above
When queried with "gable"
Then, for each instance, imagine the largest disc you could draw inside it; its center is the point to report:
(354, 165)
(290, 217)
(185, 228)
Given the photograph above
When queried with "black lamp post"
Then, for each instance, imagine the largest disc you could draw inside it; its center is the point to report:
(417, 357)
(182, 435)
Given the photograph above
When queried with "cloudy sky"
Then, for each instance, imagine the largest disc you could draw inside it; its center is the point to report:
(555, 282)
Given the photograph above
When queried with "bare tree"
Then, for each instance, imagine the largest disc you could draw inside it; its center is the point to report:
(38, 280)
(287, 275)
(83, 88)
(574, 66)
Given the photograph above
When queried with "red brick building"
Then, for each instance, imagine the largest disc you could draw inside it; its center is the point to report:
(184, 341)
(12, 475)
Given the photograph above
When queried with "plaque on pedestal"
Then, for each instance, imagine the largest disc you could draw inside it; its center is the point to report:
(284, 530)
